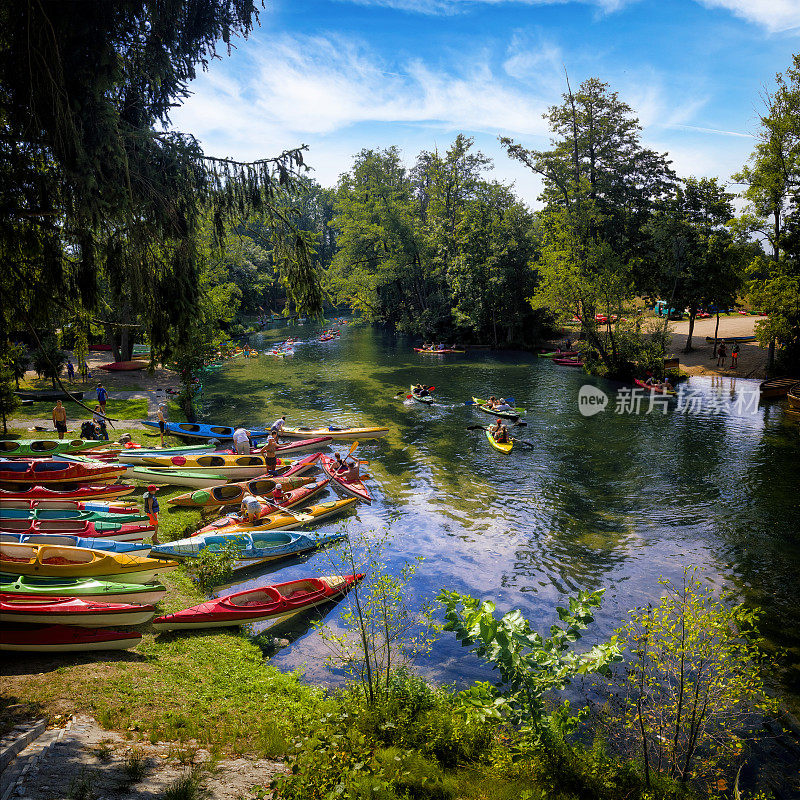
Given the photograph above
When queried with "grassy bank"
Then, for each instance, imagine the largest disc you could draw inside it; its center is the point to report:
(116, 409)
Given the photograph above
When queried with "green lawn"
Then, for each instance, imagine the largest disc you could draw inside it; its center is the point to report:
(116, 409)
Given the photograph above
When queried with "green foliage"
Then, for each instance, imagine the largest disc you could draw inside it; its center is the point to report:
(9, 402)
(692, 685)
(530, 665)
(16, 357)
(377, 631)
(49, 359)
(214, 567)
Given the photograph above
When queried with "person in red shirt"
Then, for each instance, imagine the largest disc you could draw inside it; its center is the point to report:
(277, 494)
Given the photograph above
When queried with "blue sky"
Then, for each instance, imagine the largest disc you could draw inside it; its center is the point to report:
(341, 76)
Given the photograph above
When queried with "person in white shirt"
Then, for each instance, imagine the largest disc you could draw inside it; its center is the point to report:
(252, 507)
(241, 439)
(503, 406)
(277, 426)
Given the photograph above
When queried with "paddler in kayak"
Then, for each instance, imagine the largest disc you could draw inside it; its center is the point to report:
(420, 390)
(495, 429)
(502, 437)
(503, 405)
(340, 465)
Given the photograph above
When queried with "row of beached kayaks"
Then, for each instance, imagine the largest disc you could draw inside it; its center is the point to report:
(198, 430)
(74, 562)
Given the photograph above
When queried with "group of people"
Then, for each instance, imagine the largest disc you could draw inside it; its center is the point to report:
(91, 429)
(498, 405)
(722, 354)
(653, 382)
(439, 346)
(254, 506)
(421, 391)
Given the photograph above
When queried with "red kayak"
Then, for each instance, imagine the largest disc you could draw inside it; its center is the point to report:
(36, 472)
(354, 488)
(300, 445)
(568, 362)
(99, 347)
(64, 638)
(71, 611)
(84, 492)
(123, 366)
(298, 468)
(119, 532)
(76, 506)
(255, 605)
(656, 389)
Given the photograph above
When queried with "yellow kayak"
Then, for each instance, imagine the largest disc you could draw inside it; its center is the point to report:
(335, 433)
(60, 561)
(501, 446)
(282, 520)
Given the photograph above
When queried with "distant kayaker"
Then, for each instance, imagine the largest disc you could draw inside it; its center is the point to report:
(162, 421)
(241, 440)
(270, 453)
(151, 509)
(503, 405)
(102, 396)
(492, 402)
(277, 426)
(60, 419)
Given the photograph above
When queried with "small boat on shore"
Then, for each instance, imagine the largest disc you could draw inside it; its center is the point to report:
(353, 488)
(69, 506)
(123, 366)
(730, 339)
(31, 448)
(232, 494)
(64, 638)
(71, 611)
(122, 532)
(87, 588)
(107, 544)
(84, 491)
(30, 471)
(65, 515)
(232, 467)
(336, 433)
(197, 430)
(775, 388)
(261, 603)
(175, 477)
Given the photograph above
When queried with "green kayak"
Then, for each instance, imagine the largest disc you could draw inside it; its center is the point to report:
(85, 588)
(24, 448)
(481, 404)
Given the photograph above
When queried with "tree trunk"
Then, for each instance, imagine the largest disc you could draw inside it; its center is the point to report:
(771, 355)
(692, 314)
(716, 332)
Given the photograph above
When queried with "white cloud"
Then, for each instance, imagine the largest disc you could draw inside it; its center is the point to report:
(456, 6)
(774, 15)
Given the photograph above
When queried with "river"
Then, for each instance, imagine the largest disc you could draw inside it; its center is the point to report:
(615, 500)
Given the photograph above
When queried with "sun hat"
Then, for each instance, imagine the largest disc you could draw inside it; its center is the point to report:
(152, 488)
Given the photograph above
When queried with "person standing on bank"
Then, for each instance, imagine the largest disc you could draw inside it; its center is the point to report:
(70, 371)
(102, 396)
(241, 440)
(60, 419)
(162, 422)
(151, 509)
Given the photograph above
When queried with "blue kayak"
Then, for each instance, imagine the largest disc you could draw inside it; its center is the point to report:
(106, 545)
(200, 430)
(266, 545)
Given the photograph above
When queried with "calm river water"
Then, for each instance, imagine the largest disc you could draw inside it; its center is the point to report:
(614, 500)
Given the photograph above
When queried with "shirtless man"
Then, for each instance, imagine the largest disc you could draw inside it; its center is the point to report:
(270, 452)
(60, 419)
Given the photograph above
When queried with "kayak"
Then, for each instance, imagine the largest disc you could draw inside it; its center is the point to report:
(107, 545)
(502, 447)
(71, 611)
(64, 638)
(198, 430)
(336, 433)
(87, 588)
(559, 354)
(426, 398)
(21, 448)
(656, 389)
(317, 443)
(283, 520)
(82, 492)
(264, 546)
(731, 339)
(568, 362)
(58, 561)
(354, 488)
(48, 395)
(482, 406)
(231, 466)
(67, 506)
(37, 472)
(261, 603)
(175, 477)
(123, 366)
(72, 516)
(436, 352)
(134, 455)
(218, 497)
(104, 530)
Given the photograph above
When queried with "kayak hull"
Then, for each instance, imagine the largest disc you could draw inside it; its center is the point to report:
(86, 588)
(162, 477)
(505, 448)
(30, 448)
(106, 545)
(64, 639)
(336, 433)
(354, 489)
(82, 492)
(34, 472)
(196, 430)
(71, 611)
(100, 530)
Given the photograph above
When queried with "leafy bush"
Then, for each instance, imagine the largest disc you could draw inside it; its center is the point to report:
(49, 360)
(213, 568)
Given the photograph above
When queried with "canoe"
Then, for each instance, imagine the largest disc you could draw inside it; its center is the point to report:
(436, 352)
(656, 389)
(100, 530)
(353, 488)
(64, 638)
(71, 611)
(123, 366)
(261, 603)
(174, 477)
(301, 445)
(49, 395)
(65, 515)
(427, 399)
(731, 339)
(793, 396)
(197, 430)
(263, 546)
(506, 447)
(482, 406)
(559, 354)
(67, 506)
(231, 466)
(283, 520)
(87, 588)
(336, 433)
(85, 491)
(568, 362)
(222, 496)
(135, 455)
(22, 448)
(37, 472)
(58, 561)
(107, 545)
(777, 387)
